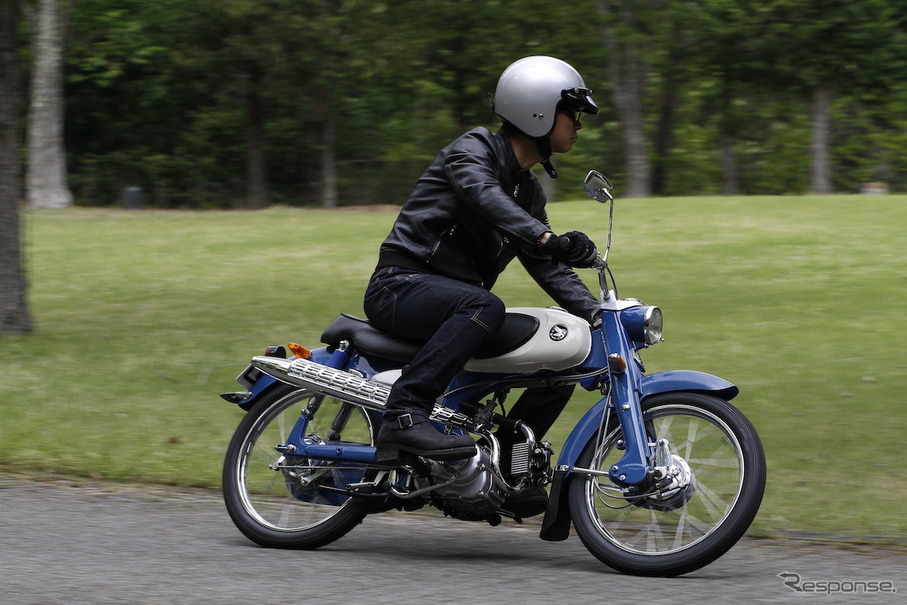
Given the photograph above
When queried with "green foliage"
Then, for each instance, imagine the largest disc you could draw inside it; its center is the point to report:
(158, 92)
(144, 317)
(871, 138)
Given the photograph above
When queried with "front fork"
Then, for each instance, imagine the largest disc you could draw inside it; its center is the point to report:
(625, 396)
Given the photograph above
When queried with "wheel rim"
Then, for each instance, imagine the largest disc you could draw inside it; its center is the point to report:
(707, 444)
(276, 499)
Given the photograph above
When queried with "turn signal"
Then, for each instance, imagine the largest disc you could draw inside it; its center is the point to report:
(617, 364)
(299, 351)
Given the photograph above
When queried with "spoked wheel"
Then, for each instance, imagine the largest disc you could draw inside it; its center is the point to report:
(693, 512)
(277, 499)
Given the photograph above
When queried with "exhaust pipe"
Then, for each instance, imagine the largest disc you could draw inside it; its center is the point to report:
(349, 387)
(326, 381)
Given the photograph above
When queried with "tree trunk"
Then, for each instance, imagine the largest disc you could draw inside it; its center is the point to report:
(821, 140)
(730, 184)
(627, 75)
(729, 180)
(664, 134)
(47, 185)
(256, 164)
(325, 148)
(329, 164)
(14, 316)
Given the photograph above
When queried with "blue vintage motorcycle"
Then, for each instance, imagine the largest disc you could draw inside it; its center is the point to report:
(660, 477)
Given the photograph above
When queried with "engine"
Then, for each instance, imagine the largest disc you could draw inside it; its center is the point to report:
(471, 490)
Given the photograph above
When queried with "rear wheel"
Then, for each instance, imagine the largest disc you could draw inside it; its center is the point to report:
(687, 519)
(277, 500)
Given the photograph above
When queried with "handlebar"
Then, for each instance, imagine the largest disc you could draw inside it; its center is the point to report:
(564, 243)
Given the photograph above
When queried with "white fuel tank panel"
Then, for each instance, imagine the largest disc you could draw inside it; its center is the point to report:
(562, 341)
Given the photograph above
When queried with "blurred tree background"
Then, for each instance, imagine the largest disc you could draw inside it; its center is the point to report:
(250, 103)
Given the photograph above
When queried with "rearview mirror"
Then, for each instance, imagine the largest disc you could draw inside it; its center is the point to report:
(598, 187)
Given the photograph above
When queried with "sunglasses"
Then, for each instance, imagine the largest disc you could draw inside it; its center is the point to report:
(574, 114)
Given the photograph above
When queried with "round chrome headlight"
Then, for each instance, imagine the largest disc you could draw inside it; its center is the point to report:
(643, 325)
(653, 325)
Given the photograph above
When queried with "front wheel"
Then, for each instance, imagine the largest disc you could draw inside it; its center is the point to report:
(285, 501)
(687, 519)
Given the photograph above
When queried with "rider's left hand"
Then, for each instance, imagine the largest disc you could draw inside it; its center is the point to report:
(573, 248)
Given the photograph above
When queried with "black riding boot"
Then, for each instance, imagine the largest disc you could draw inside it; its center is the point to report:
(413, 432)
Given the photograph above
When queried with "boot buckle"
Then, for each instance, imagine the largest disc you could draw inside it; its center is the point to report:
(404, 421)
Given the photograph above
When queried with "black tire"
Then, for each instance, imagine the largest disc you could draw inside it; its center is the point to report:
(272, 507)
(674, 534)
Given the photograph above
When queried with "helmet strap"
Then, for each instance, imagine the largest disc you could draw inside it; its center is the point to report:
(544, 145)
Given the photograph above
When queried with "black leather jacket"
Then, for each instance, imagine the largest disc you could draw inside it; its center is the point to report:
(471, 213)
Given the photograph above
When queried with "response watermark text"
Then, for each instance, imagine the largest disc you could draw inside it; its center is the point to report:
(795, 582)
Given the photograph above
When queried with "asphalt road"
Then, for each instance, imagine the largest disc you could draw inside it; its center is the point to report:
(95, 543)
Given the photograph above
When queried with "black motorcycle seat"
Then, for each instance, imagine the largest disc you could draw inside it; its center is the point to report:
(516, 331)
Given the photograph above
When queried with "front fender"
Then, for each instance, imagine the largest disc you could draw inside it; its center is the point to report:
(687, 380)
(651, 384)
(556, 524)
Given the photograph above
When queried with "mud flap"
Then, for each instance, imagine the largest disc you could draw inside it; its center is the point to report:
(556, 524)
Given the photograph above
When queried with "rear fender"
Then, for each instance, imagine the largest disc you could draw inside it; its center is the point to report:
(258, 383)
(246, 399)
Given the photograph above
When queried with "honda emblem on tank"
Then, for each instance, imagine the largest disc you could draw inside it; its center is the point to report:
(558, 333)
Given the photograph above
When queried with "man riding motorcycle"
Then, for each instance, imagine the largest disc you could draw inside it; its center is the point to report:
(474, 209)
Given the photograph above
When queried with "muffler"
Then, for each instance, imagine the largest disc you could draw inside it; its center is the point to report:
(326, 381)
(346, 386)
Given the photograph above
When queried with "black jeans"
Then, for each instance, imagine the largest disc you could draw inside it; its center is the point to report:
(454, 319)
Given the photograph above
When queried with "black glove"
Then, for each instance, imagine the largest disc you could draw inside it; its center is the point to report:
(574, 249)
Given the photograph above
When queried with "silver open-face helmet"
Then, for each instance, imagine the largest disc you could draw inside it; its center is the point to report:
(532, 90)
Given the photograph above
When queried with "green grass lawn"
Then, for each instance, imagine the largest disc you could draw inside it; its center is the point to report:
(143, 317)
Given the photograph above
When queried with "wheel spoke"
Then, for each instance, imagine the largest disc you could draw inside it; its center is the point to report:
(284, 504)
(714, 504)
(648, 525)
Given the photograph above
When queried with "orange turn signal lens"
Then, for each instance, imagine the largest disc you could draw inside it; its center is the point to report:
(299, 351)
(617, 364)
